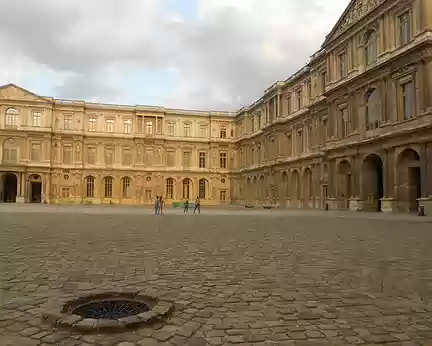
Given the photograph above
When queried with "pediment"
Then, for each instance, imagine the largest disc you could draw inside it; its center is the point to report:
(355, 11)
(16, 93)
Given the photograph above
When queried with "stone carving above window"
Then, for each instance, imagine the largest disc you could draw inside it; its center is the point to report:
(358, 9)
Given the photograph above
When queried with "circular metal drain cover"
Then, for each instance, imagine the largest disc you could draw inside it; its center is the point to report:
(110, 309)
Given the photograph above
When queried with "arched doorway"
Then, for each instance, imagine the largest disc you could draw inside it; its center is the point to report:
(344, 182)
(187, 188)
(10, 188)
(35, 188)
(372, 182)
(283, 189)
(262, 188)
(408, 180)
(295, 189)
(307, 188)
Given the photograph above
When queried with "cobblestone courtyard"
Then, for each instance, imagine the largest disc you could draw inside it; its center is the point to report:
(236, 276)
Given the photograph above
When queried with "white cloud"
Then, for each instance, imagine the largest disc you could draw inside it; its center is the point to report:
(224, 58)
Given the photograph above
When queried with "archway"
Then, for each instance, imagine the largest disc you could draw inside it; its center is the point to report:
(262, 188)
(283, 188)
(372, 182)
(344, 182)
(35, 188)
(10, 188)
(307, 185)
(187, 188)
(295, 189)
(408, 180)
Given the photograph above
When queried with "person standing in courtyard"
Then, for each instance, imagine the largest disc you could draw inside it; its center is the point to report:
(161, 203)
(156, 205)
(197, 205)
(186, 206)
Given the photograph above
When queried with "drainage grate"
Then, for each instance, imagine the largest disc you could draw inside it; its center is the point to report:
(110, 309)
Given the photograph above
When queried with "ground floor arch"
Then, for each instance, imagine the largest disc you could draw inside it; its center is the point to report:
(344, 183)
(408, 180)
(9, 183)
(372, 182)
(35, 184)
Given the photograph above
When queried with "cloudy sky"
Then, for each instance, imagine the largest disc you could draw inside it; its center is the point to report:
(206, 54)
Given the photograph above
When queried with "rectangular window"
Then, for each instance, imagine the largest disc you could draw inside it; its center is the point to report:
(35, 151)
(110, 125)
(92, 124)
(65, 192)
(343, 121)
(289, 105)
(128, 126)
(171, 158)
(323, 76)
(12, 117)
(203, 131)
(253, 124)
(300, 99)
(67, 154)
(140, 124)
(109, 156)
(405, 28)
(223, 160)
(149, 127)
(309, 90)
(149, 156)
(408, 100)
(91, 155)
(187, 129)
(37, 119)
(171, 127)
(68, 122)
(222, 195)
(300, 142)
(310, 136)
(10, 155)
(202, 160)
(127, 157)
(223, 131)
(325, 132)
(186, 159)
(148, 195)
(343, 68)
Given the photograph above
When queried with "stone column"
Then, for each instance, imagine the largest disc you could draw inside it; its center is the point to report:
(388, 202)
(20, 187)
(425, 168)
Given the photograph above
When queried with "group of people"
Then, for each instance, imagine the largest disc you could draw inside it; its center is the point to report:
(160, 202)
(159, 205)
(197, 206)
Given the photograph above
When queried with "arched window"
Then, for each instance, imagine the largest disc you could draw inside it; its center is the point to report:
(126, 185)
(170, 188)
(373, 109)
(11, 117)
(202, 188)
(10, 151)
(371, 47)
(186, 188)
(90, 182)
(108, 184)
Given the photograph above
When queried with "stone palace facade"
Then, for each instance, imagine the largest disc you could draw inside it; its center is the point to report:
(351, 130)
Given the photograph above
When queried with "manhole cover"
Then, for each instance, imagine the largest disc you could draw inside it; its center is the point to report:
(110, 309)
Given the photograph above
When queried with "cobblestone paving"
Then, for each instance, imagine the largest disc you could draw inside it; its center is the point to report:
(237, 277)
